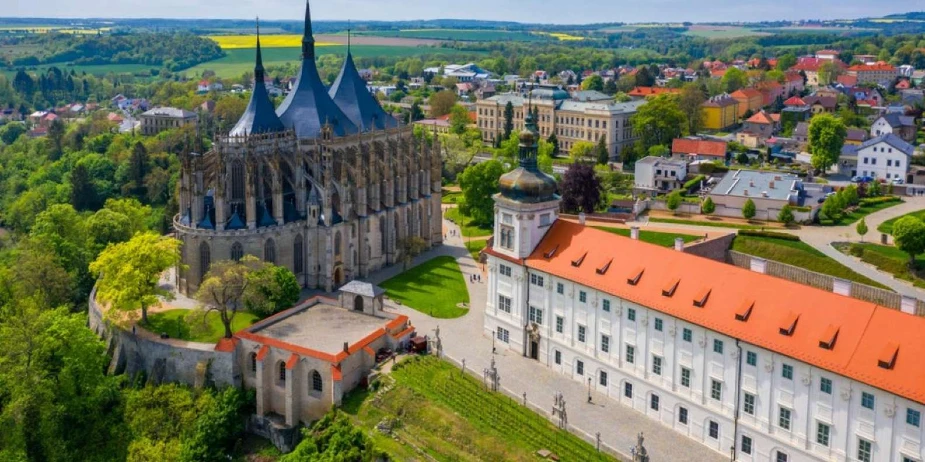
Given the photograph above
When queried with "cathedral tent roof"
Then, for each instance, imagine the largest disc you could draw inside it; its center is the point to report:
(308, 107)
(352, 96)
(259, 117)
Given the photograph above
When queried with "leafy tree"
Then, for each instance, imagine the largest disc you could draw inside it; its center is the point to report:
(673, 201)
(217, 428)
(832, 208)
(708, 206)
(826, 138)
(554, 141)
(441, 103)
(861, 228)
(478, 183)
(108, 227)
(734, 79)
(786, 215)
(228, 110)
(828, 72)
(601, 153)
(610, 87)
(129, 272)
(582, 150)
(873, 189)
(658, 151)
(416, 113)
(459, 119)
(277, 289)
(410, 247)
(909, 236)
(508, 119)
(138, 169)
(850, 195)
(83, 194)
(580, 188)
(594, 82)
(742, 158)
(56, 132)
(659, 121)
(334, 437)
(11, 132)
(748, 210)
(690, 102)
(644, 78)
(786, 61)
(230, 286)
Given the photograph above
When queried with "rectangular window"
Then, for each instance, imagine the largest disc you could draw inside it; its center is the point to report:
(717, 346)
(822, 433)
(504, 303)
(783, 418)
(505, 270)
(867, 400)
(716, 389)
(687, 335)
(582, 296)
(507, 218)
(787, 372)
(656, 365)
(503, 335)
(631, 314)
(536, 280)
(714, 430)
(628, 390)
(560, 288)
(782, 457)
(682, 415)
(746, 445)
(580, 367)
(605, 343)
(751, 358)
(603, 378)
(544, 219)
(630, 354)
(581, 333)
(685, 377)
(658, 324)
(864, 450)
(558, 356)
(913, 417)
(559, 324)
(748, 404)
(606, 305)
(536, 315)
(825, 385)
(653, 402)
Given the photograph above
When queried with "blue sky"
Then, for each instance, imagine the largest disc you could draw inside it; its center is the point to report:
(544, 11)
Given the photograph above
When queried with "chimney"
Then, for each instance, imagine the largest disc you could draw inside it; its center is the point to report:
(679, 244)
(745, 192)
(634, 232)
(581, 218)
(908, 305)
(771, 184)
(346, 347)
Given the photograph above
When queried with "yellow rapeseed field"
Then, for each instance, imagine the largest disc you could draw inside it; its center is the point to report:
(229, 42)
(562, 36)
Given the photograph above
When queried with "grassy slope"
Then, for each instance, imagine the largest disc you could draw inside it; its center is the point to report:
(468, 230)
(652, 237)
(173, 322)
(715, 224)
(474, 247)
(798, 254)
(887, 226)
(859, 212)
(894, 261)
(434, 287)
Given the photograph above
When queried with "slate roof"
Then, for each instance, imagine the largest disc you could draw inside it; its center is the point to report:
(350, 93)
(260, 116)
(308, 107)
(891, 140)
(897, 120)
(366, 289)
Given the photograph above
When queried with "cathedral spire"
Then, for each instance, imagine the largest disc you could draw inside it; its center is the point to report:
(308, 39)
(348, 37)
(259, 74)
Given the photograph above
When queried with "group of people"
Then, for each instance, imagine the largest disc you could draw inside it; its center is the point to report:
(475, 277)
(452, 232)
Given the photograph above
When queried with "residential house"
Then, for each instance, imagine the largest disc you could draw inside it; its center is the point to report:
(115, 118)
(791, 116)
(899, 125)
(159, 119)
(873, 73)
(855, 136)
(912, 97)
(821, 104)
(769, 191)
(464, 88)
(793, 83)
(761, 124)
(810, 66)
(830, 55)
(847, 80)
(439, 125)
(720, 112)
(694, 149)
(886, 156)
(770, 91)
(644, 92)
(801, 132)
(750, 100)
(748, 139)
(795, 101)
(658, 175)
(866, 59)
(462, 72)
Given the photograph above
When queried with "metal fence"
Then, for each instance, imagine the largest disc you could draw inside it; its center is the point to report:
(882, 297)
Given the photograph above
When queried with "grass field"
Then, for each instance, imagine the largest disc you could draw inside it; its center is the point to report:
(434, 287)
(468, 230)
(240, 60)
(474, 247)
(450, 197)
(889, 259)
(711, 32)
(474, 35)
(652, 237)
(175, 324)
(715, 224)
(450, 416)
(798, 254)
(234, 42)
(887, 226)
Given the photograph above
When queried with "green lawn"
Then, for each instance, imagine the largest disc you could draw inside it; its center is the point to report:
(175, 324)
(891, 260)
(716, 224)
(434, 287)
(474, 247)
(798, 254)
(468, 229)
(450, 197)
(887, 226)
(859, 212)
(451, 416)
(652, 237)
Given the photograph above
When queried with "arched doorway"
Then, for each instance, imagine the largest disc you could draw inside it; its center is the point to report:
(358, 303)
(338, 276)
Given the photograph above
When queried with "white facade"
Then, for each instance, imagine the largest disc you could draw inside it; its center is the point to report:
(658, 174)
(882, 160)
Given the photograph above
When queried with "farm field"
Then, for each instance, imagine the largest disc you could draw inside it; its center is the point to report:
(234, 42)
(708, 31)
(474, 35)
(98, 69)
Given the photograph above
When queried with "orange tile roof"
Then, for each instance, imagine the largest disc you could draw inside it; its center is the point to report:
(794, 101)
(760, 117)
(336, 373)
(864, 329)
(649, 91)
(872, 67)
(745, 93)
(293, 360)
(701, 147)
(226, 345)
(264, 351)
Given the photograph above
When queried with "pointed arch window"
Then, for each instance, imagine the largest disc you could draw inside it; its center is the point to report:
(337, 244)
(237, 251)
(298, 262)
(205, 259)
(269, 251)
(237, 181)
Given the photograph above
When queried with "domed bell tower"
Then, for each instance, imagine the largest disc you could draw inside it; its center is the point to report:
(527, 203)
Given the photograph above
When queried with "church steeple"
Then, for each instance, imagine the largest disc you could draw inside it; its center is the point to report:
(308, 38)
(259, 72)
(259, 116)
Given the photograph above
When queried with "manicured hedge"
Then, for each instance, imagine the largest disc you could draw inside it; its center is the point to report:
(769, 234)
(693, 182)
(879, 200)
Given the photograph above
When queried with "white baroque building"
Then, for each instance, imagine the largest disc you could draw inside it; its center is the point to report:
(755, 367)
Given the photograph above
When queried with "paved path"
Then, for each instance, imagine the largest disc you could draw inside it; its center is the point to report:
(463, 339)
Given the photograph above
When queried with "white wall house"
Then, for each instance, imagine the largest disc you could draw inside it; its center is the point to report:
(886, 156)
(772, 369)
(659, 174)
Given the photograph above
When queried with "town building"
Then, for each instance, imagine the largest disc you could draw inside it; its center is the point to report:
(469, 72)
(750, 100)
(438, 125)
(883, 157)
(769, 191)
(645, 92)
(572, 121)
(327, 185)
(821, 104)
(761, 124)
(900, 125)
(159, 119)
(855, 136)
(809, 66)
(720, 112)
(694, 149)
(873, 73)
(655, 175)
(755, 367)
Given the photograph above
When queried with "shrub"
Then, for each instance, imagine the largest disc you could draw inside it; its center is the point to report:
(856, 250)
(708, 206)
(694, 183)
(769, 234)
(786, 215)
(879, 200)
(748, 210)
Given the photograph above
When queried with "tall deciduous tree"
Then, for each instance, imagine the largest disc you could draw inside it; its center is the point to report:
(478, 183)
(410, 247)
(581, 188)
(734, 79)
(227, 287)
(459, 119)
(909, 236)
(690, 102)
(129, 272)
(826, 139)
(861, 228)
(83, 194)
(582, 150)
(56, 132)
(601, 152)
(659, 121)
(277, 289)
(594, 82)
(441, 103)
(139, 166)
